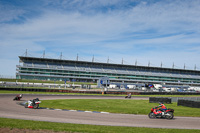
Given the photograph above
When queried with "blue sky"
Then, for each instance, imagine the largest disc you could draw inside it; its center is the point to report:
(152, 31)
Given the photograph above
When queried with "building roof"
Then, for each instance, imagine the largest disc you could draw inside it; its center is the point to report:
(100, 64)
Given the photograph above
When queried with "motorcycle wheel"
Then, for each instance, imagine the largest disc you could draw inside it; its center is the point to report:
(151, 115)
(36, 106)
(26, 105)
(169, 115)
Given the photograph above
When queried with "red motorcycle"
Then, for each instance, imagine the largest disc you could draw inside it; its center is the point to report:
(18, 97)
(157, 112)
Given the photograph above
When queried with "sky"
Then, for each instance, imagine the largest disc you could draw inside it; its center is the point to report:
(146, 32)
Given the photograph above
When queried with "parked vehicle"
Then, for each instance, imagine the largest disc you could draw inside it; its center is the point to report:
(157, 112)
(33, 103)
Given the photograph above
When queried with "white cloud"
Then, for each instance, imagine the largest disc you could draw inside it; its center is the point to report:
(9, 13)
(140, 32)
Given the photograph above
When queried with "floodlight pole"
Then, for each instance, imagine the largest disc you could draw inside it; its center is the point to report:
(44, 54)
(77, 57)
(149, 64)
(26, 53)
(93, 58)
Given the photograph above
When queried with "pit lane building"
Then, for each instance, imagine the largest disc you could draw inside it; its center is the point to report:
(85, 71)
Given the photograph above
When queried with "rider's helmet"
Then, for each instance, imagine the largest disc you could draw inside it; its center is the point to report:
(37, 99)
(161, 104)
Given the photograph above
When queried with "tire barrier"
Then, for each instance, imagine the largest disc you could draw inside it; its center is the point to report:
(24, 89)
(160, 99)
(188, 103)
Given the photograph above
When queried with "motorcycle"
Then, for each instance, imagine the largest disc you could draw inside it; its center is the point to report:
(128, 96)
(18, 97)
(33, 103)
(157, 112)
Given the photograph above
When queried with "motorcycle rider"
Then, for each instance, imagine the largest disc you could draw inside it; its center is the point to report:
(162, 108)
(37, 99)
(30, 103)
(128, 95)
(33, 103)
(18, 97)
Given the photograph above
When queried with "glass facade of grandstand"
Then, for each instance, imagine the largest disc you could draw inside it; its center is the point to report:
(84, 71)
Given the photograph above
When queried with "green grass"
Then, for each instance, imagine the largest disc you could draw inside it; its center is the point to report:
(52, 126)
(63, 93)
(124, 106)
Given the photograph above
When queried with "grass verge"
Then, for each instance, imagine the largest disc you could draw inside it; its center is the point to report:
(125, 106)
(52, 126)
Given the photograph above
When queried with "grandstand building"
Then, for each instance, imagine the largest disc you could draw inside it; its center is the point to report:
(85, 71)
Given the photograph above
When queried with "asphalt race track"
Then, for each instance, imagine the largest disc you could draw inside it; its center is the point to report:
(12, 109)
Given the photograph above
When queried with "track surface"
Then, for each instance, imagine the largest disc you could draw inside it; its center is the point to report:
(10, 109)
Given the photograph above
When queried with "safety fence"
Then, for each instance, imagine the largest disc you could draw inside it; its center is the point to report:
(183, 101)
(159, 99)
(175, 99)
(188, 103)
(169, 93)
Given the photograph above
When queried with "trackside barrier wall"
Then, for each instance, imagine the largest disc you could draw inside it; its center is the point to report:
(188, 103)
(96, 92)
(159, 99)
(175, 99)
(169, 93)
